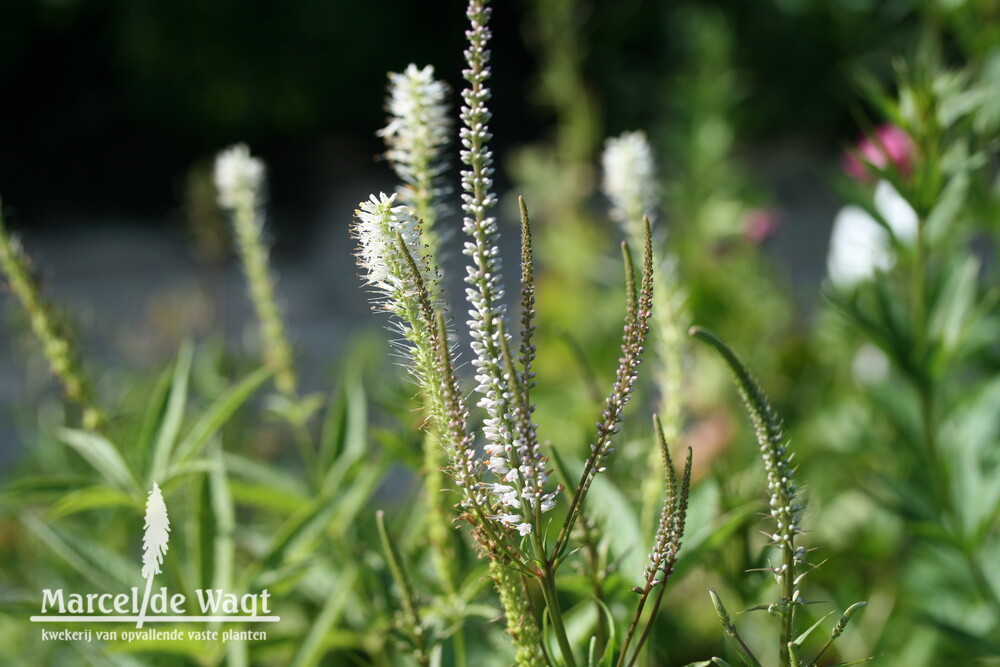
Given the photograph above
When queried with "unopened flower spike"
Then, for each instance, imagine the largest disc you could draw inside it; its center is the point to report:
(57, 346)
(239, 180)
(667, 545)
(418, 131)
(635, 331)
(785, 509)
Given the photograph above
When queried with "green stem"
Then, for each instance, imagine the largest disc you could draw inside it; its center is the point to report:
(548, 582)
(254, 254)
(410, 617)
(787, 603)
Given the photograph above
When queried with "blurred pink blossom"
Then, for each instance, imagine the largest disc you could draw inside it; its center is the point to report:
(888, 145)
(760, 224)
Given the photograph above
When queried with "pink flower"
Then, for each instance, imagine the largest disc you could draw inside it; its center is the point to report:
(759, 224)
(888, 146)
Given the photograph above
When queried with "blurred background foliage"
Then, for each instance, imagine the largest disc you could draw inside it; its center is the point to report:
(108, 103)
(113, 107)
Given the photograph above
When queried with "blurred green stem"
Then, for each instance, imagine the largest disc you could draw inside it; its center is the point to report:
(248, 226)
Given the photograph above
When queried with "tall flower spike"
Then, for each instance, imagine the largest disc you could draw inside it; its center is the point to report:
(485, 292)
(57, 347)
(416, 135)
(239, 179)
(630, 181)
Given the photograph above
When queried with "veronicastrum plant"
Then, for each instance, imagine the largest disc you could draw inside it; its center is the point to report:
(505, 495)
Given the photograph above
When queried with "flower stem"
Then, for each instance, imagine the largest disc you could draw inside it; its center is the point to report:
(548, 582)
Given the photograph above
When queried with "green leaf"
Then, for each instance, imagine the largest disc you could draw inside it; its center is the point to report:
(264, 497)
(609, 507)
(709, 531)
(47, 488)
(89, 498)
(153, 413)
(170, 425)
(200, 527)
(949, 319)
(224, 515)
(328, 511)
(99, 565)
(972, 644)
(314, 645)
(343, 437)
(611, 649)
(219, 413)
(266, 475)
(947, 209)
(196, 650)
(104, 458)
(805, 635)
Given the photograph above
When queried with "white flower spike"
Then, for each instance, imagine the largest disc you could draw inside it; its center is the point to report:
(237, 175)
(630, 180)
(418, 131)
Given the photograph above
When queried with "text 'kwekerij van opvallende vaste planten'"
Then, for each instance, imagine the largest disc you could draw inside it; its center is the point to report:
(568, 485)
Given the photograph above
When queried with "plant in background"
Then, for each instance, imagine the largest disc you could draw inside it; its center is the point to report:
(912, 282)
(505, 496)
(239, 180)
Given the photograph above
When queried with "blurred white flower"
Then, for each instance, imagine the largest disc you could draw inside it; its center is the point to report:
(897, 212)
(629, 178)
(860, 246)
(237, 175)
(870, 365)
(418, 131)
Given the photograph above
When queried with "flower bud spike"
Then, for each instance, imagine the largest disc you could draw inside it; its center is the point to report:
(838, 630)
(527, 348)
(51, 331)
(634, 334)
